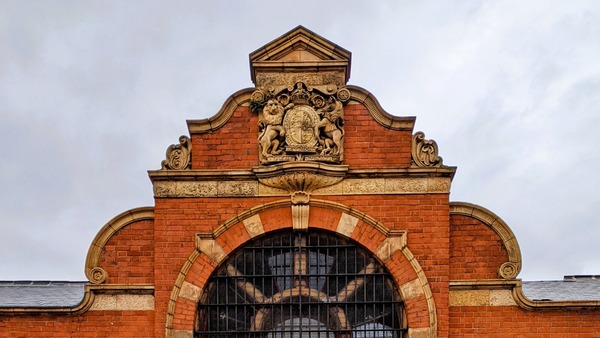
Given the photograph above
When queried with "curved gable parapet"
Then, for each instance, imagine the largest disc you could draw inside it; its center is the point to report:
(93, 272)
(510, 269)
(384, 118)
(357, 94)
(211, 124)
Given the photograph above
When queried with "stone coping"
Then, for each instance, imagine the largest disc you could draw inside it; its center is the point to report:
(521, 300)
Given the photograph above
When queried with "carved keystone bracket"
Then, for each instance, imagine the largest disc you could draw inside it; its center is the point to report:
(300, 176)
(424, 152)
(299, 179)
(179, 156)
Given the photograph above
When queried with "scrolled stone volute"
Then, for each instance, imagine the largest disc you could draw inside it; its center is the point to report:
(97, 275)
(424, 152)
(508, 270)
(179, 156)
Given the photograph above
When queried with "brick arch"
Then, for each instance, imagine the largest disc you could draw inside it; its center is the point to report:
(389, 246)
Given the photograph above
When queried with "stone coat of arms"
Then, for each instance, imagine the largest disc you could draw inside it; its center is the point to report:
(300, 123)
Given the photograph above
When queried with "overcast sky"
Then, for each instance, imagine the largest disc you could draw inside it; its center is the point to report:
(93, 92)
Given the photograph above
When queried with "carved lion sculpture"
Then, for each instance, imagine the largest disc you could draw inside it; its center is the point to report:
(330, 127)
(271, 129)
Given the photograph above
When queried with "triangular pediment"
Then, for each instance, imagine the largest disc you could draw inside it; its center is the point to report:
(300, 44)
(300, 50)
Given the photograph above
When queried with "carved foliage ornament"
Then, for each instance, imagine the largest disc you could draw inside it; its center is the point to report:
(179, 155)
(424, 152)
(300, 123)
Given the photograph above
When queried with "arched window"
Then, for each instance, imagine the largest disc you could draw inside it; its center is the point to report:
(300, 285)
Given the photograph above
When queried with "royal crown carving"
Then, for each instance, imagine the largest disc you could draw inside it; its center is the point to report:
(300, 123)
(179, 156)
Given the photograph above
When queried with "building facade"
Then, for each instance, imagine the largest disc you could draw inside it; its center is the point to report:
(301, 209)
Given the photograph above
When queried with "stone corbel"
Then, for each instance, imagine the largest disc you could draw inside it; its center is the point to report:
(300, 179)
(424, 152)
(179, 156)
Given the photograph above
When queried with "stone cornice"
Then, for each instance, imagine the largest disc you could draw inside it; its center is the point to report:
(86, 303)
(243, 175)
(245, 183)
(515, 286)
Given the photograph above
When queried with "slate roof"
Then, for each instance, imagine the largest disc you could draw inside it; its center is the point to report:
(59, 294)
(40, 294)
(570, 288)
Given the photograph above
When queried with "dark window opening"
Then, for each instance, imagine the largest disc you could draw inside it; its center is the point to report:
(301, 285)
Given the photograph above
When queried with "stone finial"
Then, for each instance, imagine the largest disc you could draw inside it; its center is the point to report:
(179, 156)
(424, 152)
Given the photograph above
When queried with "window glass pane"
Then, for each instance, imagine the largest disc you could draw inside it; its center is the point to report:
(300, 284)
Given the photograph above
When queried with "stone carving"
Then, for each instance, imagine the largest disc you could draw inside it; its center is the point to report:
(300, 176)
(424, 152)
(271, 131)
(300, 197)
(281, 79)
(329, 130)
(508, 270)
(98, 275)
(300, 123)
(179, 155)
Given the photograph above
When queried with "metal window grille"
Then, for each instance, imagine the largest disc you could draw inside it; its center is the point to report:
(301, 285)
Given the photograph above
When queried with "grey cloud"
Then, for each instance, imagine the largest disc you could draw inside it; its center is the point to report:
(92, 93)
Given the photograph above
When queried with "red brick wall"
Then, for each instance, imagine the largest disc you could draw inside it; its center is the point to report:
(233, 146)
(425, 217)
(89, 324)
(128, 257)
(176, 223)
(367, 144)
(476, 251)
(494, 321)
